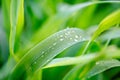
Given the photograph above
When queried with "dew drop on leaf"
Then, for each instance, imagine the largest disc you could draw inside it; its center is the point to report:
(61, 35)
(76, 36)
(66, 33)
(75, 40)
(61, 39)
(70, 38)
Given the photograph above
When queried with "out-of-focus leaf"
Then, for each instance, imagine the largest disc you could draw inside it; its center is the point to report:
(5, 70)
(112, 34)
(109, 21)
(3, 44)
(16, 21)
(43, 52)
(102, 66)
(70, 61)
(72, 73)
(6, 14)
(54, 23)
(77, 72)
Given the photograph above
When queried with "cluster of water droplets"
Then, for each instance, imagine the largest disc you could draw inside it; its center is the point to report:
(71, 34)
(66, 35)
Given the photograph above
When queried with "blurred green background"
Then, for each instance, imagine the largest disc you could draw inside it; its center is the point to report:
(45, 17)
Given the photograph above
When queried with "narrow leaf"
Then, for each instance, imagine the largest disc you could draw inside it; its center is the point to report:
(70, 60)
(43, 52)
(57, 21)
(16, 21)
(6, 13)
(102, 66)
(112, 34)
(109, 21)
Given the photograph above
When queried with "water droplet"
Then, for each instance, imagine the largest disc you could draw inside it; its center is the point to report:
(65, 36)
(75, 40)
(67, 27)
(66, 33)
(76, 36)
(70, 38)
(61, 39)
(69, 32)
(61, 35)
(42, 52)
(73, 31)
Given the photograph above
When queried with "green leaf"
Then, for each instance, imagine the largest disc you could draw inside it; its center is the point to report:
(3, 45)
(16, 21)
(102, 66)
(111, 34)
(73, 72)
(78, 72)
(109, 21)
(44, 51)
(71, 61)
(6, 13)
(58, 21)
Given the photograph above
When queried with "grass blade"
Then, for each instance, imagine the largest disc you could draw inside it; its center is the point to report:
(102, 66)
(109, 21)
(43, 52)
(57, 21)
(16, 21)
(6, 12)
(70, 61)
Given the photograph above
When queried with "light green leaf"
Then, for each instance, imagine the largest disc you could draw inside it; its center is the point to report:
(43, 52)
(16, 21)
(109, 21)
(78, 72)
(6, 13)
(71, 60)
(102, 66)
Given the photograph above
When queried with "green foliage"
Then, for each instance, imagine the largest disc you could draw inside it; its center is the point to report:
(59, 40)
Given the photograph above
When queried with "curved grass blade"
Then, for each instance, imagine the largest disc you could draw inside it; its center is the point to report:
(109, 21)
(16, 21)
(102, 66)
(46, 50)
(70, 61)
(78, 72)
